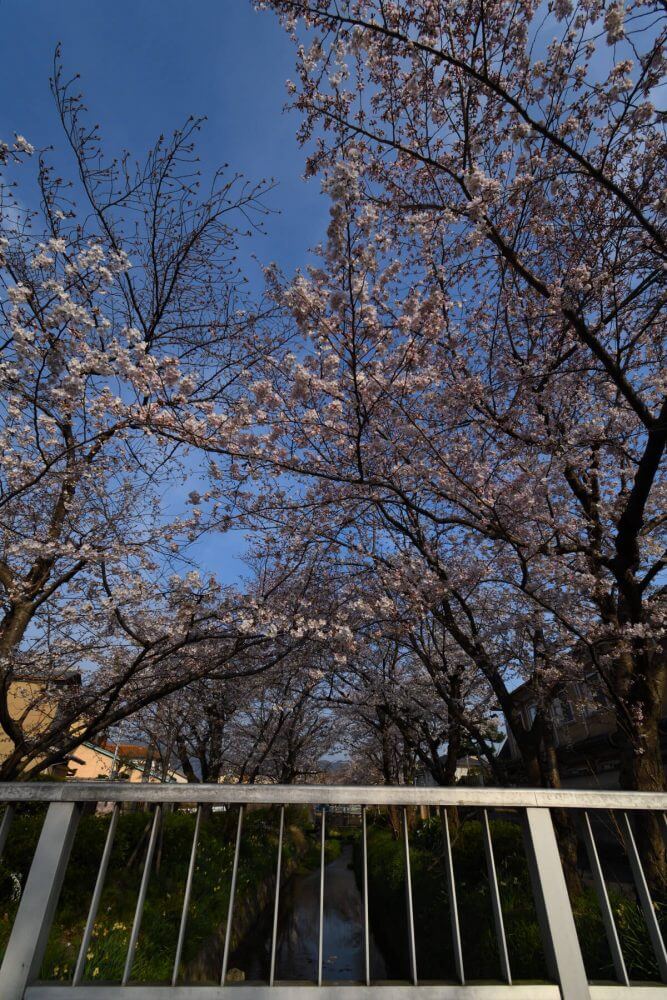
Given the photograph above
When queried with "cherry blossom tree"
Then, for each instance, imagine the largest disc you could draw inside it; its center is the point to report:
(385, 690)
(125, 324)
(160, 646)
(262, 717)
(286, 732)
(197, 723)
(527, 170)
(267, 727)
(493, 290)
(368, 410)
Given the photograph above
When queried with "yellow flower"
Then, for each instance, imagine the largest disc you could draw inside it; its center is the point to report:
(96, 971)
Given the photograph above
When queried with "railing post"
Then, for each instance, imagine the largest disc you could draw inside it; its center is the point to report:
(7, 818)
(494, 889)
(554, 910)
(30, 933)
(645, 900)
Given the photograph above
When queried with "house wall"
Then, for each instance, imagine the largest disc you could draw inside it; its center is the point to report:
(584, 724)
(26, 696)
(588, 718)
(90, 763)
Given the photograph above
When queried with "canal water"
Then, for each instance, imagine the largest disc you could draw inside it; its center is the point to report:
(298, 931)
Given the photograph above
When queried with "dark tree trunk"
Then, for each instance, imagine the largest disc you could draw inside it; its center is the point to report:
(640, 674)
(641, 764)
(538, 753)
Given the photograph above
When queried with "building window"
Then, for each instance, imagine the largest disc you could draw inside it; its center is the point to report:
(593, 693)
(563, 711)
(529, 713)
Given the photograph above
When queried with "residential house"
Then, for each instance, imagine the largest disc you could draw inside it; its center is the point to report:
(584, 726)
(34, 701)
(470, 770)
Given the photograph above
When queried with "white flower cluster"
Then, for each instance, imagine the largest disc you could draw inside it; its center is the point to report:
(562, 9)
(481, 186)
(613, 21)
(21, 145)
(342, 183)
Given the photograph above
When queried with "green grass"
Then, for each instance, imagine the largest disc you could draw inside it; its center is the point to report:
(162, 913)
(332, 850)
(435, 957)
(210, 897)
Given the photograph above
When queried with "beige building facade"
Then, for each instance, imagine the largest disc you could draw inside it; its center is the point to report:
(34, 706)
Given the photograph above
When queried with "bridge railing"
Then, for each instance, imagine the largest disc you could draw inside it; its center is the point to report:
(534, 807)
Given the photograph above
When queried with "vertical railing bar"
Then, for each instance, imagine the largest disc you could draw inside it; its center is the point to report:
(29, 935)
(276, 903)
(562, 949)
(495, 900)
(408, 889)
(232, 893)
(97, 895)
(320, 944)
(605, 905)
(186, 899)
(367, 935)
(645, 898)
(143, 889)
(7, 818)
(453, 904)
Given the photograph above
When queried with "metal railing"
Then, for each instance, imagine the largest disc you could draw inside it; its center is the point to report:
(29, 934)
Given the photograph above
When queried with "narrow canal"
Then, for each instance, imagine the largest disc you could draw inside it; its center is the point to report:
(298, 930)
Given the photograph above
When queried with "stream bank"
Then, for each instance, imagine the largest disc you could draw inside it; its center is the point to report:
(298, 930)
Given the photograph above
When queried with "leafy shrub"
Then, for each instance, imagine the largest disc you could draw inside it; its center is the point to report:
(162, 912)
(480, 953)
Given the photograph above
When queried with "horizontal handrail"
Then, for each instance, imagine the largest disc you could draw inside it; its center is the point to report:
(532, 808)
(303, 992)
(368, 795)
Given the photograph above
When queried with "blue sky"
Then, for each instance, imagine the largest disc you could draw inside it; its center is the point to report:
(145, 66)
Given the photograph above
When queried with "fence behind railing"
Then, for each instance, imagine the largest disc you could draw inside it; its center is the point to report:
(25, 948)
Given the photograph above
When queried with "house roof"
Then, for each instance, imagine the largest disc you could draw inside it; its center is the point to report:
(99, 749)
(589, 746)
(126, 749)
(66, 677)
